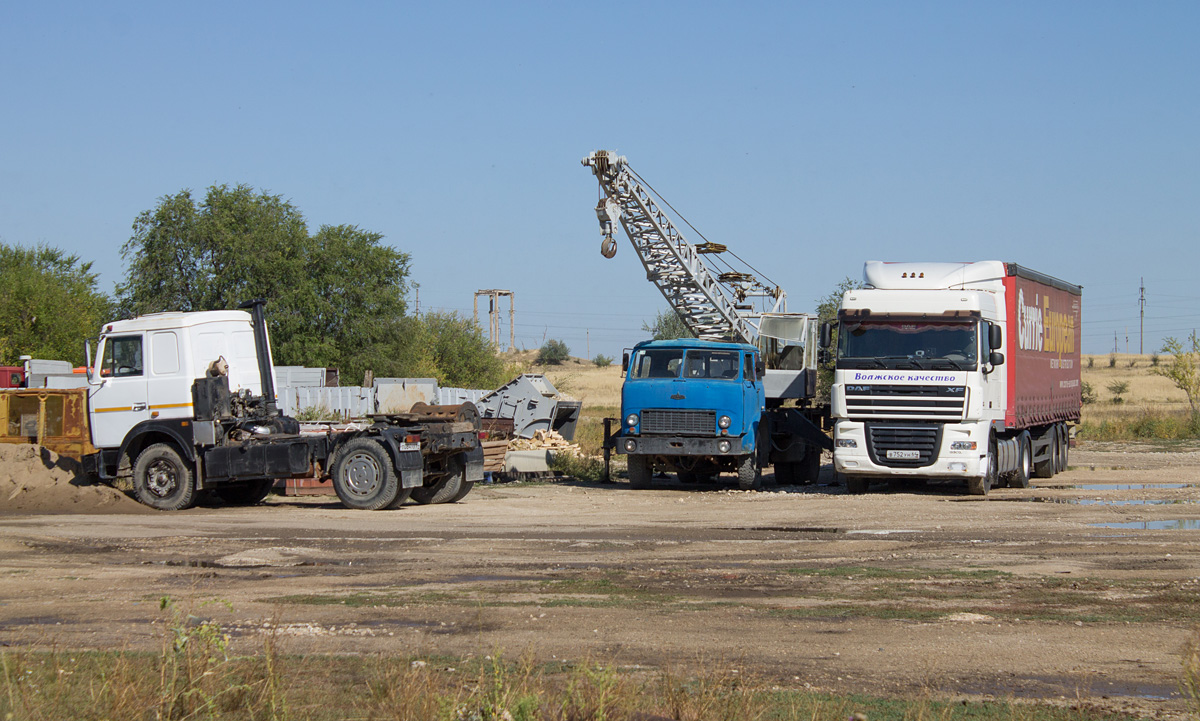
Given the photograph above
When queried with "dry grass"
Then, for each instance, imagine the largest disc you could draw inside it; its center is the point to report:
(1146, 389)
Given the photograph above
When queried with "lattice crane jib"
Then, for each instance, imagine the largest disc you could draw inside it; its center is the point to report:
(705, 303)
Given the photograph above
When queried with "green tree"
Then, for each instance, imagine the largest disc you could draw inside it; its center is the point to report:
(49, 304)
(827, 311)
(1184, 367)
(336, 298)
(668, 325)
(463, 356)
(553, 352)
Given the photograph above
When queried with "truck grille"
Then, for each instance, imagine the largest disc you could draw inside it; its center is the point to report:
(695, 423)
(925, 402)
(920, 440)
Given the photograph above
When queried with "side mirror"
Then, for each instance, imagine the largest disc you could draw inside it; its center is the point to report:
(88, 360)
(826, 335)
(760, 370)
(995, 337)
(625, 362)
(996, 359)
(822, 356)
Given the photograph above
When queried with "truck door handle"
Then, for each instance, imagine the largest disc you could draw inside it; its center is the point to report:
(139, 406)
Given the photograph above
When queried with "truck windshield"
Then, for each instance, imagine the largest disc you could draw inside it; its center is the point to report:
(914, 343)
(695, 363)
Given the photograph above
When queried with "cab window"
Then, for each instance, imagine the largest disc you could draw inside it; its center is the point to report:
(656, 363)
(122, 357)
(718, 364)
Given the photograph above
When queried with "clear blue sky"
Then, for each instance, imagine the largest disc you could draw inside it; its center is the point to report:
(808, 137)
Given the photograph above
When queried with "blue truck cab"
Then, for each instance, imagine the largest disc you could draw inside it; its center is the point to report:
(692, 407)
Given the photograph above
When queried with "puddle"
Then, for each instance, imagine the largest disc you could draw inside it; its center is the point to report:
(1174, 525)
(1123, 486)
(1106, 502)
(787, 529)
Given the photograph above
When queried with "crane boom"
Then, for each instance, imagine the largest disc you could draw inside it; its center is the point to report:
(706, 302)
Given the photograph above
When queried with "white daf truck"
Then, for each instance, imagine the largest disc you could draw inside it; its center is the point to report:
(965, 371)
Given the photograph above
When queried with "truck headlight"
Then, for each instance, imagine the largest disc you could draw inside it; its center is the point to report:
(846, 443)
(963, 446)
(630, 445)
(723, 422)
(724, 446)
(631, 420)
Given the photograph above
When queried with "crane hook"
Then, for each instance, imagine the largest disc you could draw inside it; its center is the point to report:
(608, 247)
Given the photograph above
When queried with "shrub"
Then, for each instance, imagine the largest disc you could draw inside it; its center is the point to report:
(1088, 393)
(602, 361)
(1154, 360)
(583, 468)
(1118, 389)
(1091, 361)
(1112, 360)
(553, 353)
(1133, 362)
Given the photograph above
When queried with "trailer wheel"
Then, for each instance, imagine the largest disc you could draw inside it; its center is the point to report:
(748, 474)
(245, 494)
(1064, 449)
(1020, 477)
(162, 479)
(1048, 467)
(363, 476)
(639, 472)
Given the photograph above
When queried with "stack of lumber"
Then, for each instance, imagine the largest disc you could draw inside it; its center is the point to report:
(544, 441)
(493, 455)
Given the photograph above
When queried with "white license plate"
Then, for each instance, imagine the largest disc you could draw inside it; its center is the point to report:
(410, 446)
(904, 455)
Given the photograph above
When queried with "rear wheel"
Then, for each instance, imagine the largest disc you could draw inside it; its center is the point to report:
(810, 467)
(162, 479)
(1020, 477)
(639, 471)
(786, 473)
(445, 489)
(245, 494)
(1064, 449)
(1048, 467)
(748, 474)
(363, 476)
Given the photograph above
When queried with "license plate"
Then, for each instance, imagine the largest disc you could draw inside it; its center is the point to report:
(904, 455)
(410, 446)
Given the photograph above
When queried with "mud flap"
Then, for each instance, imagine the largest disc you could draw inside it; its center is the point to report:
(474, 461)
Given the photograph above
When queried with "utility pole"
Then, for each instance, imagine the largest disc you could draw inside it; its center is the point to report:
(1116, 342)
(494, 297)
(1142, 319)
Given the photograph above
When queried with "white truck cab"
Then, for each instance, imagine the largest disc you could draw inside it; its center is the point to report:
(146, 367)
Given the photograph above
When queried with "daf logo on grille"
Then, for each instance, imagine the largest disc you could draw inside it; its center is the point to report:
(858, 389)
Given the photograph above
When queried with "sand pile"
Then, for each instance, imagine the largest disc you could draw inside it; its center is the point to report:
(37, 480)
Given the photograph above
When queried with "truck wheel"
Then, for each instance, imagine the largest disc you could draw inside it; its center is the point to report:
(786, 473)
(856, 485)
(463, 489)
(981, 486)
(363, 476)
(1020, 477)
(162, 479)
(1064, 448)
(639, 472)
(245, 494)
(748, 475)
(810, 467)
(1048, 467)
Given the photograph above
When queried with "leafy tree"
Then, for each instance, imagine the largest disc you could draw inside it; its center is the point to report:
(336, 298)
(463, 356)
(602, 361)
(668, 325)
(49, 304)
(827, 310)
(1118, 389)
(1184, 367)
(553, 352)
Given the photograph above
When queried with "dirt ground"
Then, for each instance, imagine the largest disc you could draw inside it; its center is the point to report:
(916, 591)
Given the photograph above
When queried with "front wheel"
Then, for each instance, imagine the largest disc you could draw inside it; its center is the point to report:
(1020, 477)
(363, 476)
(980, 486)
(162, 479)
(748, 475)
(639, 472)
